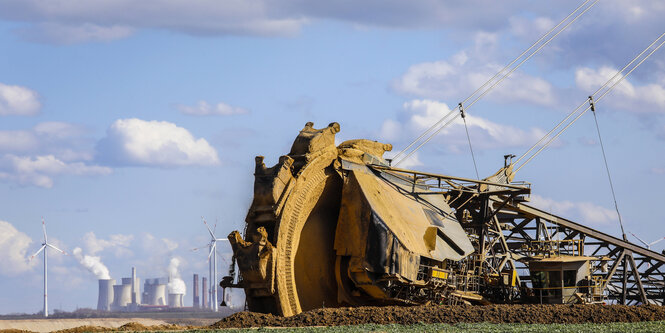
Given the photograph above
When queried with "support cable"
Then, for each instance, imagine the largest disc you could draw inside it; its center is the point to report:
(585, 102)
(493, 85)
(468, 137)
(596, 100)
(607, 168)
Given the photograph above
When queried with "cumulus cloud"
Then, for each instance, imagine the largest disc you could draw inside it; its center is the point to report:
(586, 211)
(648, 98)
(18, 101)
(65, 141)
(202, 108)
(461, 75)
(418, 115)
(14, 248)
(136, 142)
(40, 170)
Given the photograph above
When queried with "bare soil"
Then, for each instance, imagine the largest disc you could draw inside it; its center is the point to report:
(528, 314)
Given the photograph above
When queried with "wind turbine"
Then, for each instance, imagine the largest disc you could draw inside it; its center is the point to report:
(212, 264)
(45, 246)
(649, 244)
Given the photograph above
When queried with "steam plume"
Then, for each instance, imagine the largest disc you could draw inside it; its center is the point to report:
(92, 263)
(176, 285)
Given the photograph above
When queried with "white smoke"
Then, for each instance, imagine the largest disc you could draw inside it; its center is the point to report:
(92, 263)
(176, 284)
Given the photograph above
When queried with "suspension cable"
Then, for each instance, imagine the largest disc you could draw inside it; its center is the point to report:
(500, 73)
(585, 102)
(468, 137)
(596, 99)
(607, 168)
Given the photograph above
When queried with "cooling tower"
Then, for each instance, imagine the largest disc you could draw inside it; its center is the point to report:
(157, 296)
(122, 295)
(175, 300)
(195, 301)
(105, 294)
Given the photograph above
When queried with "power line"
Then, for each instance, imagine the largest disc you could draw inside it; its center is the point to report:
(494, 84)
(607, 90)
(585, 102)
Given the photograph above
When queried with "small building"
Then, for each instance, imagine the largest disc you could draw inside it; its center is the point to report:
(561, 274)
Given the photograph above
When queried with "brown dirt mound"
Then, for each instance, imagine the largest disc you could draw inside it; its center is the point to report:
(11, 330)
(81, 329)
(132, 326)
(528, 314)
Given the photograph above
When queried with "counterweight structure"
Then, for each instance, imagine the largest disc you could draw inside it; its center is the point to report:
(338, 226)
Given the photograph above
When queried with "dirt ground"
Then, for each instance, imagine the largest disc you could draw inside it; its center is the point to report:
(529, 314)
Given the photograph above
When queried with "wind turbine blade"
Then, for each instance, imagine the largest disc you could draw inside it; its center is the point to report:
(639, 239)
(44, 229)
(656, 241)
(36, 253)
(55, 248)
(212, 250)
(207, 226)
(226, 262)
(198, 248)
(221, 239)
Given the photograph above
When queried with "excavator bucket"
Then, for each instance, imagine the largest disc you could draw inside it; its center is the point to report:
(325, 229)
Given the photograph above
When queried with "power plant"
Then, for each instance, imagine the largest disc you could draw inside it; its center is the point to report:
(158, 294)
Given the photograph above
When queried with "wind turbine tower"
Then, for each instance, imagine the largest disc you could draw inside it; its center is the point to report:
(212, 265)
(45, 246)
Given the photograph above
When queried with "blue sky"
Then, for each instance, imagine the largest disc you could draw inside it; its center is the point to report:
(123, 123)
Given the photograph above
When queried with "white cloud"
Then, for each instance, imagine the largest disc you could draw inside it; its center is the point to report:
(14, 246)
(410, 162)
(58, 33)
(18, 141)
(587, 212)
(530, 29)
(419, 115)
(461, 75)
(202, 108)
(649, 98)
(154, 143)
(65, 141)
(39, 170)
(18, 101)
(117, 243)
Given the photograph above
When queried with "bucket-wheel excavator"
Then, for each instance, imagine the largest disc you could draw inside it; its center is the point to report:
(337, 225)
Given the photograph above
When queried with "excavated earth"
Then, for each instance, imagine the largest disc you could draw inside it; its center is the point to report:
(529, 314)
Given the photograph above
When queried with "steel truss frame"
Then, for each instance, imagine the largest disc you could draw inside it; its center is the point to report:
(500, 224)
